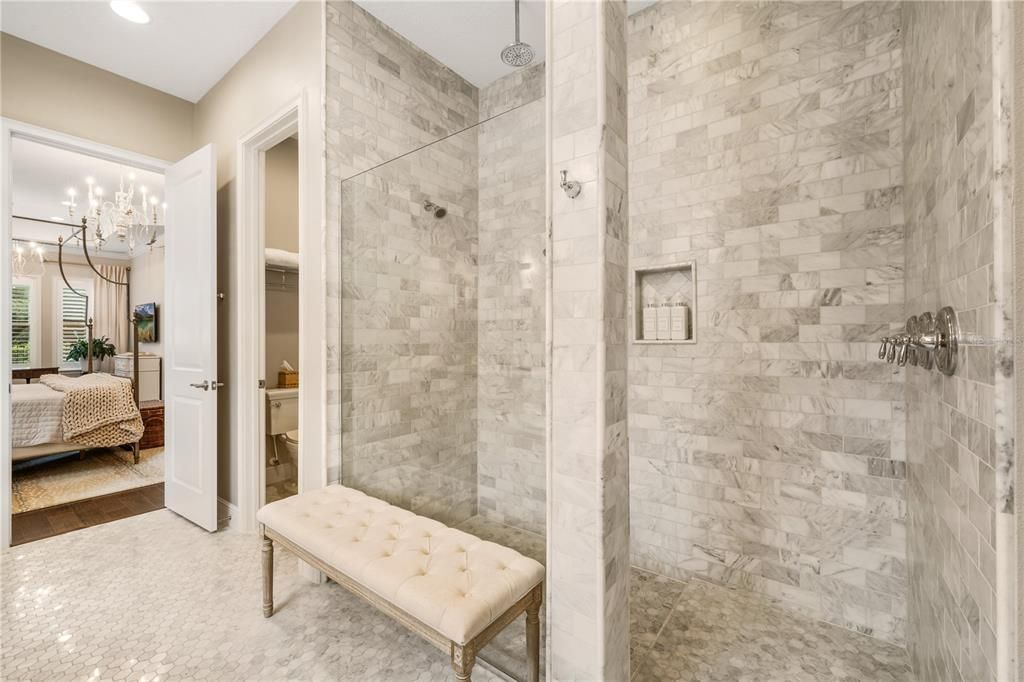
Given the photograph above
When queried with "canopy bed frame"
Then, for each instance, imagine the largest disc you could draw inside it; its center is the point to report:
(79, 233)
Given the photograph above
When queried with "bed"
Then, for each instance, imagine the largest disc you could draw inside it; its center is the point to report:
(65, 414)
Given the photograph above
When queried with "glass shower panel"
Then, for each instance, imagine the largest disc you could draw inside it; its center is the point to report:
(409, 330)
(443, 330)
(443, 253)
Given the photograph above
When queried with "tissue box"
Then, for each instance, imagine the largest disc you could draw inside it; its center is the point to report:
(287, 379)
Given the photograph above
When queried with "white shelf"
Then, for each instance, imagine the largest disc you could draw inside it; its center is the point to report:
(657, 283)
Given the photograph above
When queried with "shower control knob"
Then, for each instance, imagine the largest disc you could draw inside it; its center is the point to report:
(890, 355)
(904, 350)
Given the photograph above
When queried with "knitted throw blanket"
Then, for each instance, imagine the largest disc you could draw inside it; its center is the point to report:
(99, 410)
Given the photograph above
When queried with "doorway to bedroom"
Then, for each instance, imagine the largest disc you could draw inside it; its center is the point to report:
(82, 293)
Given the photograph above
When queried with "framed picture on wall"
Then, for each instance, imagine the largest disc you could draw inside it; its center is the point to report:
(146, 314)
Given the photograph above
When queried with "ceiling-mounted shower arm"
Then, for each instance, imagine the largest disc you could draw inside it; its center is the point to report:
(517, 53)
(517, 20)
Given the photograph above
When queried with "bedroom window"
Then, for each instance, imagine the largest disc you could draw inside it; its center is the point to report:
(72, 318)
(25, 339)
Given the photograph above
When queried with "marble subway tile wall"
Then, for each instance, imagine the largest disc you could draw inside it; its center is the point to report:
(410, 332)
(765, 144)
(588, 556)
(512, 287)
(958, 457)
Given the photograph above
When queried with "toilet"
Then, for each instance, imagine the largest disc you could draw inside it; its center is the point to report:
(283, 426)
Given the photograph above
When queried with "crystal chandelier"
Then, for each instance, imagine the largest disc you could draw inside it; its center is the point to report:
(120, 218)
(26, 259)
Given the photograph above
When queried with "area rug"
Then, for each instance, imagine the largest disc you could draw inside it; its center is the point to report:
(100, 472)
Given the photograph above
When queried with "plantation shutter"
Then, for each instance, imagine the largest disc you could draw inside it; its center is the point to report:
(21, 325)
(72, 325)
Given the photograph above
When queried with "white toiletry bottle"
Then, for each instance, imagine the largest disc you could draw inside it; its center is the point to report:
(680, 321)
(650, 322)
(664, 321)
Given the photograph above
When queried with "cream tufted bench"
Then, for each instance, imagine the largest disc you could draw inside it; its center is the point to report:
(452, 588)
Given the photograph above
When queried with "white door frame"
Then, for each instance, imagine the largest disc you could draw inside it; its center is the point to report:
(25, 131)
(297, 116)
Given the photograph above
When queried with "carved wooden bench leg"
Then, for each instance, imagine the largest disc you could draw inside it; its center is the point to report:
(533, 635)
(463, 658)
(268, 577)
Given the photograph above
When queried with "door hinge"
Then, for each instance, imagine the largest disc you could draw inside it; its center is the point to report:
(220, 295)
(262, 383)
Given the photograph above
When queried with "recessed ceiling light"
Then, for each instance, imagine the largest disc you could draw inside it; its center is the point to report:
(126, 9)
(57, 218)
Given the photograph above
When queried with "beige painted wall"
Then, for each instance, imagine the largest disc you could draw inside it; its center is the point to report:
(47, 89)
(286, 61)
(282, 196)
(147, 280)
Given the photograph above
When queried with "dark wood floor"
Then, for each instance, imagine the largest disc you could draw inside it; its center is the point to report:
(49, 521)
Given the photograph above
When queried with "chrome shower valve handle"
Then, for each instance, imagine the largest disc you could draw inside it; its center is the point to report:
(904, 350)
(926, 341)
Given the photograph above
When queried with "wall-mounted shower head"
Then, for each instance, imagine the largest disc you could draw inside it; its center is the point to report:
(518, 53)
(438, 211)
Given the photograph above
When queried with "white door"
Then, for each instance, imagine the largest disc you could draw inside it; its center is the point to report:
(190, 338)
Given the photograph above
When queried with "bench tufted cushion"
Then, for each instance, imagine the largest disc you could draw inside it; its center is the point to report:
(452, 581)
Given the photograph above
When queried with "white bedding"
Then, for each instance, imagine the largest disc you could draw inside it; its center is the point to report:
(36, 412)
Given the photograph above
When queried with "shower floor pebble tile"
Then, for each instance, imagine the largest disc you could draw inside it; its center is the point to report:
(717, 634)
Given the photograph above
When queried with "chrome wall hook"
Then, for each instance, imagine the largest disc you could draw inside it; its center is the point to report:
(571, 187)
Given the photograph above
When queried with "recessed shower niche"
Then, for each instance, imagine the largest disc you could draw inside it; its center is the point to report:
(665, 304)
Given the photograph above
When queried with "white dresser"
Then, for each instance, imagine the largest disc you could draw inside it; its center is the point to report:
(149, 373)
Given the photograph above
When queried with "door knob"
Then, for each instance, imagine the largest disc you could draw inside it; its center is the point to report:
(214, 385)
(205, 385)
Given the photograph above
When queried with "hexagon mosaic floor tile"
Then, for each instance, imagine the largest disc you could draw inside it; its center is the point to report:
(153, 598)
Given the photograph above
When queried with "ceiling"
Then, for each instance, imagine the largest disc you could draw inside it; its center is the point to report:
(467, 35)
(41, 178)
(185, 49)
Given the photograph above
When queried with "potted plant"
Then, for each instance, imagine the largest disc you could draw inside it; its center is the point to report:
(101, 349)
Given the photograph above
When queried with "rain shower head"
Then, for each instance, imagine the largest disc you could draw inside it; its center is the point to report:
(518, 53)
(438, 211)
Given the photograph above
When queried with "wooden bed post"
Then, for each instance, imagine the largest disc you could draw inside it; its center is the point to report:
(268, 577)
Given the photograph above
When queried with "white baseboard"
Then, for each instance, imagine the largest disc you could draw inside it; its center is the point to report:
(227, 514)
